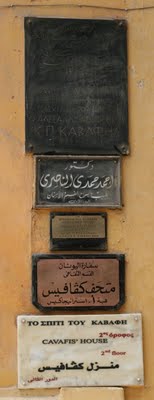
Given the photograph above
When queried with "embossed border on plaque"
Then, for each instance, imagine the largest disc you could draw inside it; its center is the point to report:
(53, 270)
(78, 181)
(83, 230)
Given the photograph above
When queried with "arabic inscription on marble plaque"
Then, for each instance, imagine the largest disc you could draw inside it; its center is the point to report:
(79, 350)
(78, 281)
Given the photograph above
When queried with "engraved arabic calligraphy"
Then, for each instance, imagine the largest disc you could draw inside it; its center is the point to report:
(68, 180)
(77, 181)
(74, 282)
(79, 289)
(94, 366)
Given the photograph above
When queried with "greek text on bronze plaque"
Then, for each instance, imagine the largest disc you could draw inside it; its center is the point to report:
(78, 181)
(78, 281)
(76, 86)
(78, 230)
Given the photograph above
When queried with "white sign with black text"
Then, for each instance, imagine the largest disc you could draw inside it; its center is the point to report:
(80, 350)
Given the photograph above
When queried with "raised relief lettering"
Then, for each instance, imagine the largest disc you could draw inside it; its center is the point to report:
(76, 86)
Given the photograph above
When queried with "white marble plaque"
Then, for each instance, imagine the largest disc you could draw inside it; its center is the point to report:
(80, 350)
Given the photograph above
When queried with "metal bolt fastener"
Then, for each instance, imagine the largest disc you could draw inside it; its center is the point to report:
(136, 318)
(138, 379)
(23, 321)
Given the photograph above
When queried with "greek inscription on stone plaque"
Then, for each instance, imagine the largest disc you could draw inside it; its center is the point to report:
(79, 350)
(78, 181)
(78, 281)
(76, 86)
(78, 230)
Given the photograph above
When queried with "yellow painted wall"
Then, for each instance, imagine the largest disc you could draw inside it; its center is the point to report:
(23, 230)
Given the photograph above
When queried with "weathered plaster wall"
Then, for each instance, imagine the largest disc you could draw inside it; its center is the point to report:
(23, 230)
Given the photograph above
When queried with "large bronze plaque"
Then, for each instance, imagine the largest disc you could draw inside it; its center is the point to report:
(78, 281)
(78, 181)
(68, 231)
(76, 86)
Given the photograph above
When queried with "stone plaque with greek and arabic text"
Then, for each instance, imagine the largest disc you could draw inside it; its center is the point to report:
(79, 350)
